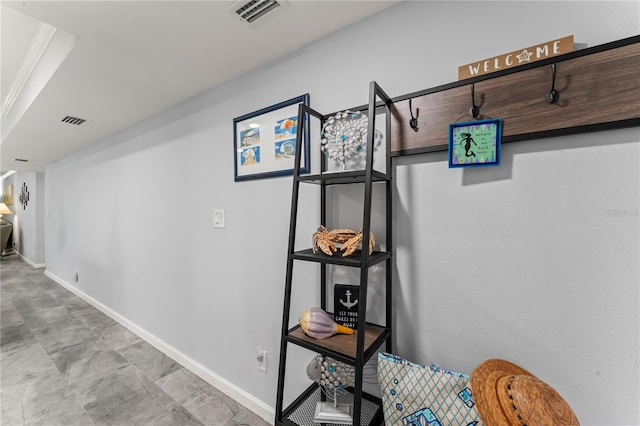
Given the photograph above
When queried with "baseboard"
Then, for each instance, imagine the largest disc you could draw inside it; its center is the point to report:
(246, 399)
(33, 265)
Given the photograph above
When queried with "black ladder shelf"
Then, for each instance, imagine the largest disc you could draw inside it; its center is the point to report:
(358, 348)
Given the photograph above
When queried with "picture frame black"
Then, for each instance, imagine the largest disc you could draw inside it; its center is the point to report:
(345, 304)
(264, 141)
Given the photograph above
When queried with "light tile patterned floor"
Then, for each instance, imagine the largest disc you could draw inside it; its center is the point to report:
(63, 362)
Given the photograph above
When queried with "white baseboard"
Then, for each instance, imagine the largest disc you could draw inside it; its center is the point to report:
(33, 265)
(246, 399)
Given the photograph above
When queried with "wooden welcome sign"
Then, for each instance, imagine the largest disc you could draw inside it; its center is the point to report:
(518, 57)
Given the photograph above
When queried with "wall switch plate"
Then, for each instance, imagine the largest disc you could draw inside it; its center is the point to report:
(218, 218)
(261, 358)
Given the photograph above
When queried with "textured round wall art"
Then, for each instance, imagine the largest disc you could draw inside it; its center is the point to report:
(342, 135)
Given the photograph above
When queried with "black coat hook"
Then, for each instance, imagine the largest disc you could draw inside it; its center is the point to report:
(414, 120)
(553, 95)
(474, 111)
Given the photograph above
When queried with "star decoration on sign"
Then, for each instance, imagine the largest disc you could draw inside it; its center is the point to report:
(524, 56)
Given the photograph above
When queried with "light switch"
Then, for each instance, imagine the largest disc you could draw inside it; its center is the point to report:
(218, 218)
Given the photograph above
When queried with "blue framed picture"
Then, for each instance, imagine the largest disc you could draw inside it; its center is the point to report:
(265, 141)
(475, 143)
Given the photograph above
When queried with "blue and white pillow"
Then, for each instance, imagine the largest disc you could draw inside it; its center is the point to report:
(417, 395)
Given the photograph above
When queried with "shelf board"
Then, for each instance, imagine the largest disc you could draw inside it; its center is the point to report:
(342, 346)
(354, 260)
(342, 178)
(302, 410)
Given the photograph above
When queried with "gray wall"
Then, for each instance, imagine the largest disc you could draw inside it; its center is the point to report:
(535, 261)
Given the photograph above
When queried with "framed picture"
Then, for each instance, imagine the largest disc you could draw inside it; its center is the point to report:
(7, 196)
(475, 143)
(264, 141)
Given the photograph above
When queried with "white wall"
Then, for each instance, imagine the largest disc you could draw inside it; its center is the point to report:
(535, 261)
(39, 252)
(29, 233)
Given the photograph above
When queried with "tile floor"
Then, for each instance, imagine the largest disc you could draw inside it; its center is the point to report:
(63, 362)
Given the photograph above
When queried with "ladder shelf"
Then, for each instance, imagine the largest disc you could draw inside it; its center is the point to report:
(368, 338)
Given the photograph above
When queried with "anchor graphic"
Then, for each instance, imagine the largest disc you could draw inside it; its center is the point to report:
(349, 304)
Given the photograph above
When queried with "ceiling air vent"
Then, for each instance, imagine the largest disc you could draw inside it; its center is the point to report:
(250, 11)
(73, 120)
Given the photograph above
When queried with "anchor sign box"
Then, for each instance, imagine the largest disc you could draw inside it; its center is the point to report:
(345, 304)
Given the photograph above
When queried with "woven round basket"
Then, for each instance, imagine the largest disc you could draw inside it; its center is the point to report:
(508, 395)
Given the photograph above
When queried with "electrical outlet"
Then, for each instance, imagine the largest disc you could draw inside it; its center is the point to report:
(218, 218)
(261, 358)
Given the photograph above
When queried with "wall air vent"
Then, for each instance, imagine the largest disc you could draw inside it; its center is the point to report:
(73, 120)
(250, 11)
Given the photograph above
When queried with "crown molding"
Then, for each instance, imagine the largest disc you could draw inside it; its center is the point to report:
(39, 44)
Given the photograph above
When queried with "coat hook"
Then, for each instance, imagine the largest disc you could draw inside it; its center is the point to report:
(474, 111)
(553, 95)
(414, 120)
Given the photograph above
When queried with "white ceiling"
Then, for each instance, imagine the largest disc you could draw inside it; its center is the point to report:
(115, 63)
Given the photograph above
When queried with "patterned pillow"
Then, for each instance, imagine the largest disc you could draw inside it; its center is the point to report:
(418, 395)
